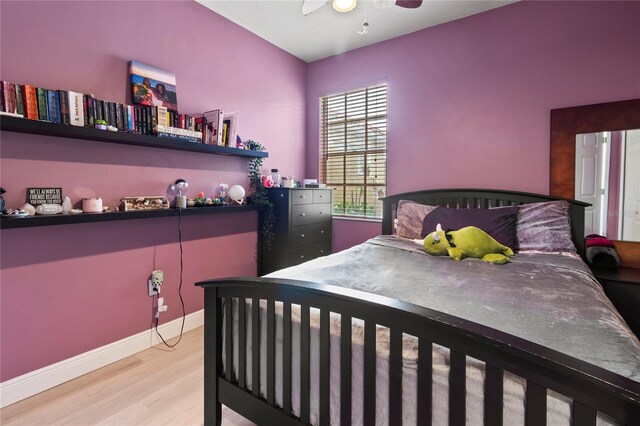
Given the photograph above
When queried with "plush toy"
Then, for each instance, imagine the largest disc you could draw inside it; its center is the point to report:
(466, 242)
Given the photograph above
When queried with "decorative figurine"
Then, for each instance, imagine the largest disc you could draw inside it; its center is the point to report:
(223, 191)
(66, 205)
(49, 209)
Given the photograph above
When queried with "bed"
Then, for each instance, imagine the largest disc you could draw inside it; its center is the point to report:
(337, 341)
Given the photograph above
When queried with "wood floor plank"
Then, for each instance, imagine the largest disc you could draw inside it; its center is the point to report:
(158, 386)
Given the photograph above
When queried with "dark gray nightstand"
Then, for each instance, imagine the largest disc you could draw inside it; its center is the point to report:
(622, 287)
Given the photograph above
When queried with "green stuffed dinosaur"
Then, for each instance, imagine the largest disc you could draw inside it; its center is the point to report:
(466, 242)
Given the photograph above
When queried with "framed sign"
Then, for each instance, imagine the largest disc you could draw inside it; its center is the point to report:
(37, 196)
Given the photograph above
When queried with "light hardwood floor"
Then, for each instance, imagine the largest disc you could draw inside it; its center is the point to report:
(158, 386)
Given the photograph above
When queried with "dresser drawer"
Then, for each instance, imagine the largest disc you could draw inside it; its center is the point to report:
(305, 214)
(312, 251)
(302, 196)
(308, 234)
(321, 196)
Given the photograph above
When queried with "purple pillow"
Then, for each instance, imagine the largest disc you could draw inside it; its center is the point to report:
(499, 223)
(545, 227)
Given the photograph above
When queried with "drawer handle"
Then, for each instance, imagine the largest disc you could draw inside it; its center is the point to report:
(302, 256)
(281, 195)
(303, 196)
(303, 214)
(301, 235)
(322, 232)
(321, 251)
(322, 196)
(321, 212)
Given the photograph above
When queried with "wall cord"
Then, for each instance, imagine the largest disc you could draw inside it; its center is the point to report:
(179, 288)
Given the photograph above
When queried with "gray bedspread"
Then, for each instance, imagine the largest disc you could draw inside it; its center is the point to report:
(548, 299)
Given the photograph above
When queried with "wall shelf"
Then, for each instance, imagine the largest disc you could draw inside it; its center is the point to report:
(59, 219)
(34, 127)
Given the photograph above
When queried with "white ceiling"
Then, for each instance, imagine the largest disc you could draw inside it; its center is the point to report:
(326, 32)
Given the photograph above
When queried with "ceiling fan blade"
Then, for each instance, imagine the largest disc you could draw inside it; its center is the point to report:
(310, 6)
(409, 4)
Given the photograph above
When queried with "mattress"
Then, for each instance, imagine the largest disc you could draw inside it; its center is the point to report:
(549, 299)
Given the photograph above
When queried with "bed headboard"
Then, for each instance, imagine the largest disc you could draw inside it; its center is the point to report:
(484, 199)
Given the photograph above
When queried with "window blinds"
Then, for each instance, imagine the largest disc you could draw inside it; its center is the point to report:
(353, 157)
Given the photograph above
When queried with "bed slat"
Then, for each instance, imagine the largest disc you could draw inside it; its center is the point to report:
(305, 381)
(493, 386)
(582, 415)
(425, 367)
(255, 346)
(271, 352)
(324, 368)
(286, 357)
(457, 388)
(535, 405)
(345, 370)
(395, 377)
(369, 377)
(228, 339)
(213, 354)
(242, 343)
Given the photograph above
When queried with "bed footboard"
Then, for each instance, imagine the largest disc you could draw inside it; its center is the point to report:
(590, 388)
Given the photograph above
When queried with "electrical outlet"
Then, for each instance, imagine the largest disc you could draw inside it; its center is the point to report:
(155, 282)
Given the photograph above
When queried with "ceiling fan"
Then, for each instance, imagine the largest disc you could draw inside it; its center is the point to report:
(310, 6)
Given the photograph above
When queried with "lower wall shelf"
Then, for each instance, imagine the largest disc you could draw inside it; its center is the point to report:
(59, 219)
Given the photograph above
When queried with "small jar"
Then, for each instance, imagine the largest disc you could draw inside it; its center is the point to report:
(275, 176)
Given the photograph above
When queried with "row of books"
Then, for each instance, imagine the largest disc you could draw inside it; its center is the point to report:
(84, 110)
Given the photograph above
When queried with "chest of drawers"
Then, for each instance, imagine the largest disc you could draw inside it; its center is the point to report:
(302, 228)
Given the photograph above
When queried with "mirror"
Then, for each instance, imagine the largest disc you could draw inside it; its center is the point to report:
(607, 175)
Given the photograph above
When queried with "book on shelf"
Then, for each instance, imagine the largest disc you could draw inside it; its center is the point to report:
(43, 110)
(53, 104)
(19, 100)
(63, 96)
(30, 102)
(213, 122)
(76, 111)
(162, 116)
(181, 138)
(9, 97)
(231, 120)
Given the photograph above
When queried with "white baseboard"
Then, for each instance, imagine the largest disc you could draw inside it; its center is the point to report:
(29, 384)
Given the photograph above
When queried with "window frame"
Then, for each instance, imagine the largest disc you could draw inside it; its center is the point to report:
(371, 96)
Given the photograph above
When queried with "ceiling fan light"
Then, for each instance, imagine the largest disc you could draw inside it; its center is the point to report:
(344, 5)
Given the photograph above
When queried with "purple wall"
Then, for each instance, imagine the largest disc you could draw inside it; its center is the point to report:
(68, 289)
(469, 100)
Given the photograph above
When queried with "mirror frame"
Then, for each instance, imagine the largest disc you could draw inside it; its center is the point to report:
(566, 123)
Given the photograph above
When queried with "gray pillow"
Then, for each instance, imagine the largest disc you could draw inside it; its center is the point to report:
(545, 227)
(409, 218)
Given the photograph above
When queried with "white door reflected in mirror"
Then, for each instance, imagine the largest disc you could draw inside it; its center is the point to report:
(608, 177)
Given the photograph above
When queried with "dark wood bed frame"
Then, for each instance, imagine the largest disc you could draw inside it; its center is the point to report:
(591, 388)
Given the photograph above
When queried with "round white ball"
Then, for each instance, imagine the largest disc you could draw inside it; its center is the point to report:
(236, 193)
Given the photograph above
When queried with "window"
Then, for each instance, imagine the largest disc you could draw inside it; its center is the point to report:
(353, 153)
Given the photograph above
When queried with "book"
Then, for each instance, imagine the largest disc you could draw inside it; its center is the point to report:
(162, 115)
(225, 135)
(178, 131)
(43, 110)
(99, 110)
(181, 138)
(30, 102)
(113, 120)
(19, 100)
(53, 103)
(91, 111)
(85, 110)
(119, 119)
(63, 96)
(76, 111)
(213, 121)
(8, 97)
(232, 129)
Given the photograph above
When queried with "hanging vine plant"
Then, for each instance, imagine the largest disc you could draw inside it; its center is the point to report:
(259, 194)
